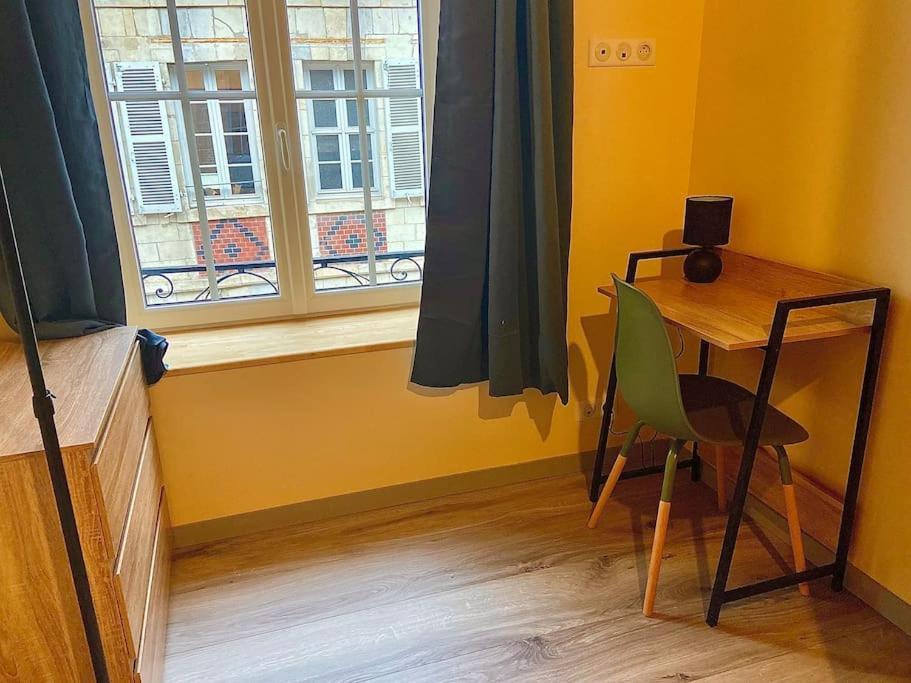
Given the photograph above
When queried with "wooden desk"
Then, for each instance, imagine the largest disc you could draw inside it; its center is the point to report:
(762, 304)
(736, 311)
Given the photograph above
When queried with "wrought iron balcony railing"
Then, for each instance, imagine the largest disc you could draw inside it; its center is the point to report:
(403, 266)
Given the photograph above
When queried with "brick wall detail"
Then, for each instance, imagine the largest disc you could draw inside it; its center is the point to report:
(345, 234)
(235, 239)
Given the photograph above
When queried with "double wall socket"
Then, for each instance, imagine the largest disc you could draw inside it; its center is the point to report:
(621, 52)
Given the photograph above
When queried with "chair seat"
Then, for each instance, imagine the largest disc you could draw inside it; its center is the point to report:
(720, 413)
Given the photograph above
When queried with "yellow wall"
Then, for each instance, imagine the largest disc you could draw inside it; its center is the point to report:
(243, 440)
(804, 114)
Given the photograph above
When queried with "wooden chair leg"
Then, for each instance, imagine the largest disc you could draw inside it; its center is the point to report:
(721, 478)
(790, 506)
(654, 565)
(664, 513)
(614, 475)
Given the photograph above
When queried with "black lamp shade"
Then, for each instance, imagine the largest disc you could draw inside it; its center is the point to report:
(707, 222)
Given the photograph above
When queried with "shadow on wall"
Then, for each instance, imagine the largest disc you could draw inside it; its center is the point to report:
(598, 331)
(540, 408)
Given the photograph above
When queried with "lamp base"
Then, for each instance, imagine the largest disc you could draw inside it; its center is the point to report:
(702, 266)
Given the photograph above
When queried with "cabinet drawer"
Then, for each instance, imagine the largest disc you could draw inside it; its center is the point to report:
(150, 662)
(134, 561)
(118, 454)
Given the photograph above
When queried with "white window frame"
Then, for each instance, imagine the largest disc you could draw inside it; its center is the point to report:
(222, 176)
(283, 165)
(342, 130)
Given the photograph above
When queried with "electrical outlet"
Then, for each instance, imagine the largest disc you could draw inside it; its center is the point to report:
(614, 52)
(599, 53)
(624, 51)
(645, 52)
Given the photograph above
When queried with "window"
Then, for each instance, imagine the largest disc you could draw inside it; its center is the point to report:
(224, 139)
(334, 130)
(235, 203)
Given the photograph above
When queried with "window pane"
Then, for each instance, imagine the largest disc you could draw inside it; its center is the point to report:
(124, 39)
(349, 79)
(325, 114)
(205, 148)
(201, 121)
(135, 38)
(383, 38)
(357, 179)
(327, 148)
(339, 224)
(321, 79)
(330, 176)
(320, 32)
(237, 149)
(233, 117)
(213, 32)
(351, 107)
(195, 79)
(228, 79)
(241, 180)
(354, 144)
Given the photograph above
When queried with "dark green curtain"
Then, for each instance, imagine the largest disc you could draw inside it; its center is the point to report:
(494, 297)
(50, 156)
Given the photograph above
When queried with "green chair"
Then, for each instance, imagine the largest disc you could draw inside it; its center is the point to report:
(697, 408)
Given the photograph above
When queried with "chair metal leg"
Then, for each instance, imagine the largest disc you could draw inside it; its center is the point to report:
(614, 475)
(790, 506)
(664, 513)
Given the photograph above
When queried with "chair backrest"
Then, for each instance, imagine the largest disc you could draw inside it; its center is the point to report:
(646, 368)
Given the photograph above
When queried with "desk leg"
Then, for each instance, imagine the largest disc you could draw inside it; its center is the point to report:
(750, 445)
(598, 469)
(696, 472)
(868, 390)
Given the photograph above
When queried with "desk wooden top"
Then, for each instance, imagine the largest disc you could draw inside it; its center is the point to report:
(736, 311)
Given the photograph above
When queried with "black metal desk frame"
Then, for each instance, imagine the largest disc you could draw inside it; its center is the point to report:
(720, 594)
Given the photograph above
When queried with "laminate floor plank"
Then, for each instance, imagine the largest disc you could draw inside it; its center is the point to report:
(506, 584)
(876, 654)
(321, 575)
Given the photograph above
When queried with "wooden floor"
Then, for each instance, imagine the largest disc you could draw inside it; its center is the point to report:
(508, 584)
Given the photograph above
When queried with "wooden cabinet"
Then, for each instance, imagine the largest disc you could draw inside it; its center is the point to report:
(108, 445)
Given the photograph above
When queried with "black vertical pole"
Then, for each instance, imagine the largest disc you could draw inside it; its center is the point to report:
(43, 406)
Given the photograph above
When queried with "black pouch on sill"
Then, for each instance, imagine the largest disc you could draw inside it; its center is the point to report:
(152, 348)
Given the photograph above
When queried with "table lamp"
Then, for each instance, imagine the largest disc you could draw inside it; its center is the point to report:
(706, 224)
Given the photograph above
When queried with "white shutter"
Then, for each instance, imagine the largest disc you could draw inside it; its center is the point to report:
(405, 132)
(147, 140)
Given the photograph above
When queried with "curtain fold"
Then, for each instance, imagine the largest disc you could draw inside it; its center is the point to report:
(50, 154)
(494, 297)
(56, 184)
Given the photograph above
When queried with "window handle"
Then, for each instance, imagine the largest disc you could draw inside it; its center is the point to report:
(284, 152)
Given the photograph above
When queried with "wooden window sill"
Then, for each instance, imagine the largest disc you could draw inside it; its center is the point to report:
(228, 348)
